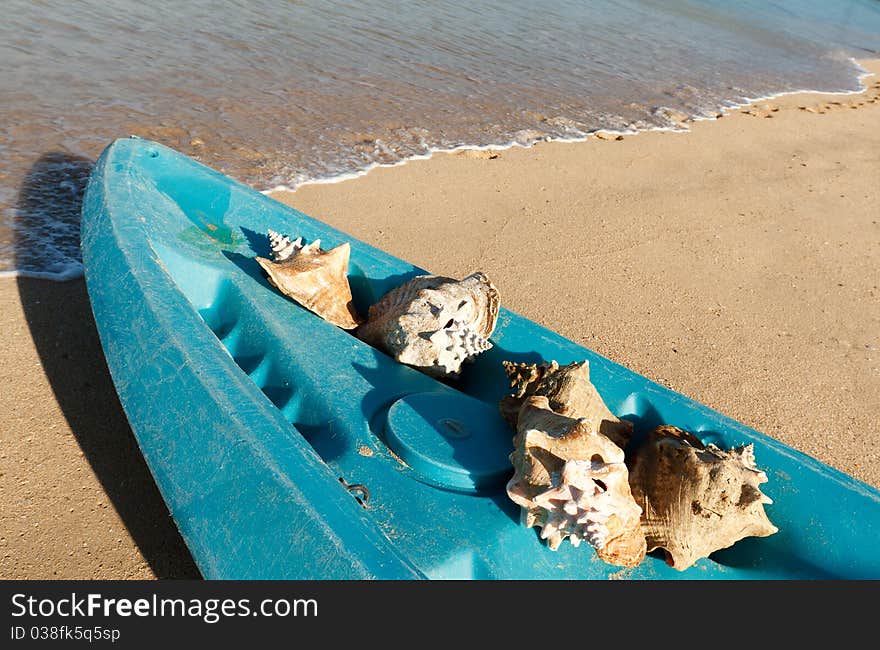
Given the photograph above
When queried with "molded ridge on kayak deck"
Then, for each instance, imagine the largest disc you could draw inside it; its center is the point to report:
(287, 448)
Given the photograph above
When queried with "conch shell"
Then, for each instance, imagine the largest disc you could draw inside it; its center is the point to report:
(572, 481)
(434, 323)
(314, 278)
(695, 498)
(569, 392)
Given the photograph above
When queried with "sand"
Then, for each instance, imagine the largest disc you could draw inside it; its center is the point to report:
(736, 263)
(77, 500)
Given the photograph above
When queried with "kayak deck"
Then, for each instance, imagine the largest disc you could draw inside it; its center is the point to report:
(257, 418)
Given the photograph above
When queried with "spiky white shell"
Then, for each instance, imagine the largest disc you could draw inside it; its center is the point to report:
(572, 482)
(434, 323)
(282, 247)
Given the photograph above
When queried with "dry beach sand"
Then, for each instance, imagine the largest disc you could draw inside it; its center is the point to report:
(737, 263)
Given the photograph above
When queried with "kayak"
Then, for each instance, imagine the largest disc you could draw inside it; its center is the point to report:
(287, 448)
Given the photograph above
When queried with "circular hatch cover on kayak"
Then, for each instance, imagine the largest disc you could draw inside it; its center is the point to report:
(451, 440)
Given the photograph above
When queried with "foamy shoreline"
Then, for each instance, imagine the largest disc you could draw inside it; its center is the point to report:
(72, 271)
(862, 74)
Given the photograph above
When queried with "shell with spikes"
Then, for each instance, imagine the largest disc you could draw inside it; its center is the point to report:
(434, 323)
(696, 498)
(572, 482)
(312, 277)
(569, 391)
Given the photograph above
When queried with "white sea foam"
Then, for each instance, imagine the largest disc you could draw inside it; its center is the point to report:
(727, 108)
(58, 273)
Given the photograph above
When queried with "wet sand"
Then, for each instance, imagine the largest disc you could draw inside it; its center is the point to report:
(736, 263)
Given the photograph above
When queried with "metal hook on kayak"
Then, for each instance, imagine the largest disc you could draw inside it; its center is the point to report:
(356, 488)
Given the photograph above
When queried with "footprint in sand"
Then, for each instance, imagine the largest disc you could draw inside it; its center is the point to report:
(479, 154)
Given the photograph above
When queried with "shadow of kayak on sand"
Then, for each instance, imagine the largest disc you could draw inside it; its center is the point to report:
(63, 329)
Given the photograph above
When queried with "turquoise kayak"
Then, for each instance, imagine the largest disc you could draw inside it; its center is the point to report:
(287, 448)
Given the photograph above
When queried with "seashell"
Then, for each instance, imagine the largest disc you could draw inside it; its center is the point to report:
(434, 323)
(695, 498)
(282, 248)
(569, 392)
(572, 481)
(314, 278)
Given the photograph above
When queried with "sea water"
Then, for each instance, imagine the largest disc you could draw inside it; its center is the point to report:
(279, 93)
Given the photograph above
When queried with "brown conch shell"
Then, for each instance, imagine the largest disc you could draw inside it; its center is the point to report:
(314, 278)
(569, 391)
(434, 323)
(572, 481)
(695, 498)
